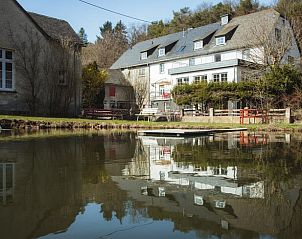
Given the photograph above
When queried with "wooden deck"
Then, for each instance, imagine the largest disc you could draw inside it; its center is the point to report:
(185, 132)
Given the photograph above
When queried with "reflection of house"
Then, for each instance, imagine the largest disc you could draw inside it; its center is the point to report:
(39, 63)
(118, 92)
(160, 166)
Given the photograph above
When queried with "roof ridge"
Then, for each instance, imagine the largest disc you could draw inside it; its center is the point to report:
(54, 18)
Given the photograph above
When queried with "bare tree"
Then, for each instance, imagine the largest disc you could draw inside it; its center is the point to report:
(29, 52)
(140, 89)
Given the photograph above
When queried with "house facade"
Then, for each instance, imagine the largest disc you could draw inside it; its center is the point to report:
(220, 52)
(40, 67)
(118, 92)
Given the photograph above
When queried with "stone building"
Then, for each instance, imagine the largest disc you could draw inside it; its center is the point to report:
(40, 66)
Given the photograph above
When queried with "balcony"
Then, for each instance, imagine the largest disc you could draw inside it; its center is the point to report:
(154, 96)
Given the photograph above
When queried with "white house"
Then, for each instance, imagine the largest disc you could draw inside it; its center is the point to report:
(218, 52)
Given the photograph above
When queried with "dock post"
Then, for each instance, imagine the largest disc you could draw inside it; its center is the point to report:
(287, 115)
(211, 114)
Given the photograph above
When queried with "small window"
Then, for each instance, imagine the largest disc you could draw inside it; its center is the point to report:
(220, 41)
(192, 62)
(278, 34)
(62, 78)
(142, 72)
(224, 77)
(216, 77)
(0, 54)
(161, 51)
(144, 55)
(217, 57)
(6, 70)
(198, 45)
(198, 79)
(183, 80)
(181, 49)
(162, 68)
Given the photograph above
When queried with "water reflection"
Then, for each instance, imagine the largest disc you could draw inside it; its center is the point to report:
(115, 185)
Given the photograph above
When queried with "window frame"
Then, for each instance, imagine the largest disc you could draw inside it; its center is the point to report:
(192, 61)
(3, 66)
(142, 72)
(161, 51)
(219, 57)
(183, 80)
(220, 41)
(144, 55)
(200, 78)
(162, 68)
(198, 45)
(222, 77)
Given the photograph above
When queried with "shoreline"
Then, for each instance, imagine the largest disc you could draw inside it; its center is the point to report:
(42, 123)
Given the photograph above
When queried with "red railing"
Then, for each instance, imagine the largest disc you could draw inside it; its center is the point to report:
(254, 114)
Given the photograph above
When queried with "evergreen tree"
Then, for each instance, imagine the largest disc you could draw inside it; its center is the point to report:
(83, 36)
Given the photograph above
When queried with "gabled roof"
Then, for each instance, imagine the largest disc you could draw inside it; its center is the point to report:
(51, 28)
(242, 38)
(116, 77)
(55, 28)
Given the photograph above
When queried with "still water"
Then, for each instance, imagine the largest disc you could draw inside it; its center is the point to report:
(119, 185)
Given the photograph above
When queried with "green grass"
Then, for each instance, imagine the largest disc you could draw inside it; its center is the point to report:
(268, 127)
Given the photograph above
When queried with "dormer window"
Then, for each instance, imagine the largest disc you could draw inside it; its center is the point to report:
(144, 55)
(161, 51)
(220, 40)
(198, 45)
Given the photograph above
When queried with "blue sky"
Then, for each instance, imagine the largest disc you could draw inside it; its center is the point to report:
(80, 15)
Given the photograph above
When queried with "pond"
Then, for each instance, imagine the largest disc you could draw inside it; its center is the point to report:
(119, 185)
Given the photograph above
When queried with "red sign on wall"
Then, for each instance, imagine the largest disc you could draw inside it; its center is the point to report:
(112, 91)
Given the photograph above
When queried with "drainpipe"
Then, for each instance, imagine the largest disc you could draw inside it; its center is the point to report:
(149, 84)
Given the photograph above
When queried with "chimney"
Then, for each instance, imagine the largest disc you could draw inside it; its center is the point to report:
(224, 19)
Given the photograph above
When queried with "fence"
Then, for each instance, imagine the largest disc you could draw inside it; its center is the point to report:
(242, 116)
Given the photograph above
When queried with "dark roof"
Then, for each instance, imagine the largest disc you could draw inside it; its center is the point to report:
(55, 28)
(51, 28)
(116, 77)
(243, 37)
(225, 30)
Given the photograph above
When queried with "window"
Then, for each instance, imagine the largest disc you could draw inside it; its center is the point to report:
(217, 57)
(278, 34)
(198, 79)
(220, 41)
(246, 54)
(112, 91)
(216, 77)
(183, 80)
(162, 68)
(181, 49)
(192, 62)
(224, 77)
(161, 90)
(62, 78)
(142, 71)
(161, 51)
(6, 70)
(220, 77)
(198, 45)
(144, 55)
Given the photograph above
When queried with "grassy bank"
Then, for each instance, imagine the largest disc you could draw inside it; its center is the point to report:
(24, 122)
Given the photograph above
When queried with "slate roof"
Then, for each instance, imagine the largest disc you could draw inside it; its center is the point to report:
(51, 28)
(116, 77)
(242, 38)
(55, 28)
